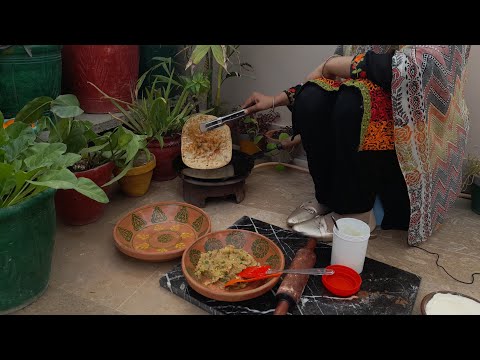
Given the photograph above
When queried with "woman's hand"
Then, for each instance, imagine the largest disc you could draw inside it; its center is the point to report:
(257, 102)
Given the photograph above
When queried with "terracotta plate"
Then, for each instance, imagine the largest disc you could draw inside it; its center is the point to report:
(160, 231)
(265, 251)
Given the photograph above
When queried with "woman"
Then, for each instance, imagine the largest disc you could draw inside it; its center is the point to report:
(380, 120)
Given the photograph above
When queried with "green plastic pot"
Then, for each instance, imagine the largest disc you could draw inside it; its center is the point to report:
(27, 235)
(23, 78)
(476, 195)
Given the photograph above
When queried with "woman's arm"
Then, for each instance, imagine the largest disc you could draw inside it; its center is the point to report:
(370, 65)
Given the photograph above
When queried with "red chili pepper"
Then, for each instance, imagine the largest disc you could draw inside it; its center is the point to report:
(254, 271)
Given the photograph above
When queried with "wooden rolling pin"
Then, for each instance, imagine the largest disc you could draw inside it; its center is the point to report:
(292, 286)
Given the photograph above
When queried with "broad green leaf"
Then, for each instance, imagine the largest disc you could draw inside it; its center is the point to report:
(34, 110)
(65, 161)
(7, 180)
(124, 138)
(18, 129)
(43, 154)
(257, 139)
(2, 118)
(120, 175)
(271, 146)
(132, 149)
(75, 140)
(93, 149)
(16, 147)
(66, 100)
(198, 54)
(67, 111)
(3, 136)
(283, 136)
(88, 188)
(219, 55)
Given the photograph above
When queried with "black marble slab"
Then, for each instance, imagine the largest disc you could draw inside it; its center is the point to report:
(385, 290)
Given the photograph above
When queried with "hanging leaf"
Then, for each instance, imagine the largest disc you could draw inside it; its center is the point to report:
(197, 55)
(2, 119)
(34, 110)
(218, 52)
(257, 139)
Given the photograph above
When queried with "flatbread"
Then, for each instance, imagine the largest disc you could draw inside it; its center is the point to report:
(208, 150)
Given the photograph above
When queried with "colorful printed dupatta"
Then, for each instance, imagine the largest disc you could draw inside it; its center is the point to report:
(431, 126)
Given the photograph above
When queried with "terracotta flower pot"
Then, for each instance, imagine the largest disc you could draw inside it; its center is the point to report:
(74, 208)
(136, 181)
(171, 149)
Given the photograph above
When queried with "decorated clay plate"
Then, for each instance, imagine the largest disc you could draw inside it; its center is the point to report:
(263, 250)
(160, 231)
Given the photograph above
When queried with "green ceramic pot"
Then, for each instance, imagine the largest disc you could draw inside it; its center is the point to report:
(27, 234)
(23, 78)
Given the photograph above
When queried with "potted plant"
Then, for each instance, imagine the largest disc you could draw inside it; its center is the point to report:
(159, 115)
(222, 59)
(282, 136)
(134, 162)
(72, 207)
(251, 131)
(30, 173)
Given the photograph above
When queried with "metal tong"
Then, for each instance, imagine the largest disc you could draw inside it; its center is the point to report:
(213, 124)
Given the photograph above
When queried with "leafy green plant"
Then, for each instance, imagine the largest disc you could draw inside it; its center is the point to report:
(121, 146)
(223, 56)
(252, 128)
(27, 167)
(273, 146)
(157, 113)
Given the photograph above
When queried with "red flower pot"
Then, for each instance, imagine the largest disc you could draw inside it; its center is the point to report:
(74, 208)
(113, 68)
(171, 149)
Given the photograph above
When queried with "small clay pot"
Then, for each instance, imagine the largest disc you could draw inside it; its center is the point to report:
(136, 181)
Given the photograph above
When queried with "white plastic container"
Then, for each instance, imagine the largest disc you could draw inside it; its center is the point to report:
(350, 243)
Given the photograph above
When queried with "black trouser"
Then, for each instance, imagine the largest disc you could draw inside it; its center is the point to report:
(347, 180)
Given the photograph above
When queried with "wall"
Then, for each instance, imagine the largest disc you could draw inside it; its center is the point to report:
(279, 66)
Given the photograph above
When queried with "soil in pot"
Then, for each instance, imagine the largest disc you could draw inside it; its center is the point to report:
(164, 157)
(74, 208)
(136, 181)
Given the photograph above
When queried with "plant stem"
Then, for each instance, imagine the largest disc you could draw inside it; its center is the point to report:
(219, 84)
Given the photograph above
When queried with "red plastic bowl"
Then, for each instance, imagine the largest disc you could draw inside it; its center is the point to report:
(345, 281)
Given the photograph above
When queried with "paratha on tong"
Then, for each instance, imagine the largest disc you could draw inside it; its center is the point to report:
(205, 150)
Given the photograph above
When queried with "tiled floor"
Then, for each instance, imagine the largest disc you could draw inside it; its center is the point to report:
(89, 275)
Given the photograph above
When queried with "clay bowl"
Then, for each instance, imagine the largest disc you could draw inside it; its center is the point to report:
(160, 231)
(428, 297)
(265, 252)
